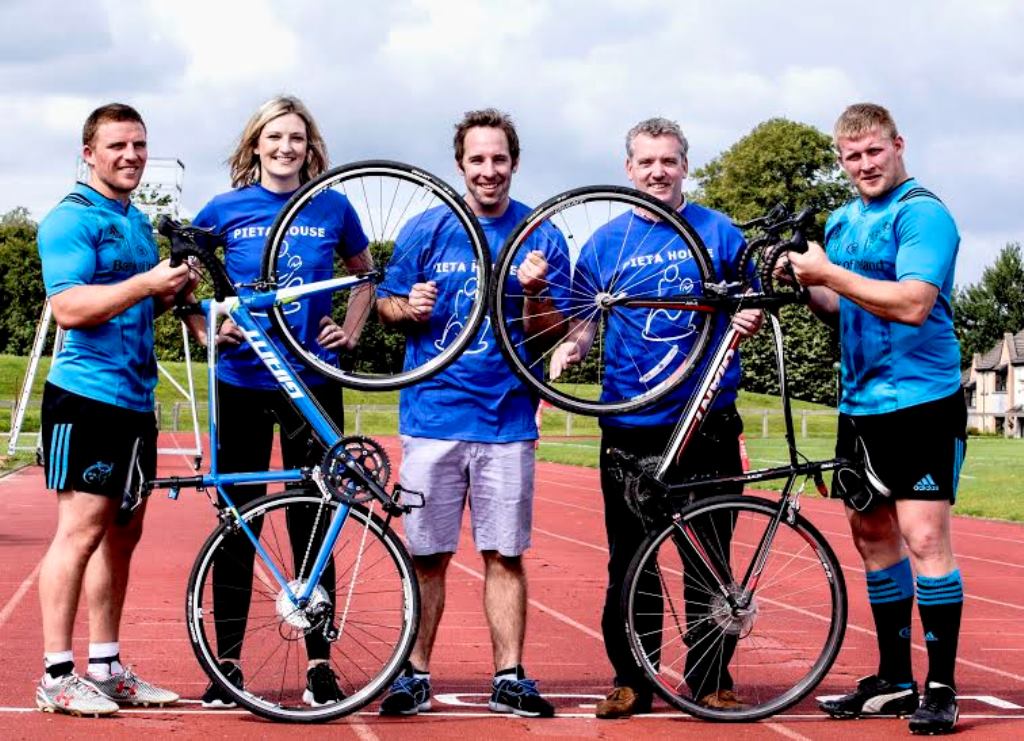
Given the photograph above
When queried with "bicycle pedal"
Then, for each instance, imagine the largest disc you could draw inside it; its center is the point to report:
(407, 499)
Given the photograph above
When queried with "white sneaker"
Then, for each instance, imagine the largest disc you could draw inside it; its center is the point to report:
(129, 689)
(73, 695)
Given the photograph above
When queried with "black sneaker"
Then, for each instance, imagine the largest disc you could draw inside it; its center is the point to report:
(408, 695)
(215, 697)
(519, 696)
(938, 711)
(322, 686)
(874, 696)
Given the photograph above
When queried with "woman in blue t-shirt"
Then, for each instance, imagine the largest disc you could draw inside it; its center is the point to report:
(280, 149)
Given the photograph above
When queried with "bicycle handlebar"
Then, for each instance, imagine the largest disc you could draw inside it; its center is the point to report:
(191, 241)
(769, 247)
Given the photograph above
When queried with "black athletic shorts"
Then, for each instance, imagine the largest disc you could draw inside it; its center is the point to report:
(916, 452)
(95, 447)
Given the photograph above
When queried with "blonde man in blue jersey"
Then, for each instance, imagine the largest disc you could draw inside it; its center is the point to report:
(887, 273)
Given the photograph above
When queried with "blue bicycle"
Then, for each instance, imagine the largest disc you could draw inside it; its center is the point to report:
(329, 577)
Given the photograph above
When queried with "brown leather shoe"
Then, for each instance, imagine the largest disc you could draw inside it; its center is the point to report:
(722, 700)
(623, 702)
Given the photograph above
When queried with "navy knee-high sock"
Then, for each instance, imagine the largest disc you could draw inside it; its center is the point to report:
(891, 594)
(940, 600)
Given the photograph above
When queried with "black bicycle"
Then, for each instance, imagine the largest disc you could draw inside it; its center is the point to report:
(735, 593)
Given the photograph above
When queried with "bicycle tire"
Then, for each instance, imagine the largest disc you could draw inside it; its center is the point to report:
(396, 204)
(587, 217)
(364, 665)
(750, 652)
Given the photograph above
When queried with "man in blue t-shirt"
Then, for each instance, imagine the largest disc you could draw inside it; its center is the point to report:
(469, 431)
(105, 284)
(635, 251)
(887, 272)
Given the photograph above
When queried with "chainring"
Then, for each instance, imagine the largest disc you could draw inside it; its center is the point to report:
(351, 460)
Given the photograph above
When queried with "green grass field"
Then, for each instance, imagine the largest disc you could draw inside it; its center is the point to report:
(991, 485)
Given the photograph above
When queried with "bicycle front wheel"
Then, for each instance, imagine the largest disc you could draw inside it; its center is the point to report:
(360, 619)
(733, 615)
(417, 230)
(631, 296)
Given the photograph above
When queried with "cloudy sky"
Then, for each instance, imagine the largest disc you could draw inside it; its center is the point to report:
(388, 78)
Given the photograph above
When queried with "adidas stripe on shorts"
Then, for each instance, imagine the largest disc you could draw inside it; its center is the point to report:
(917, 452)
(95, 447)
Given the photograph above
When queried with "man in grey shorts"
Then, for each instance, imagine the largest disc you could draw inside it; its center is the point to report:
(470, 430)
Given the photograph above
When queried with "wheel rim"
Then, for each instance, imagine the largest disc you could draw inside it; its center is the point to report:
(372, 607)
(773, 650)
(413, 221)
(639, 353)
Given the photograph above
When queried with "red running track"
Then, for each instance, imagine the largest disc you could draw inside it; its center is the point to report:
(564, 650)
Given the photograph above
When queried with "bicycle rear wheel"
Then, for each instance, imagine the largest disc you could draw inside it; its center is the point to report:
(773, 648)
(361, 619)
(418, 229)
(636, 284)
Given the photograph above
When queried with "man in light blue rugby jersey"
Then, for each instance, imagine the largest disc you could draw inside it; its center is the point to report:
(105, 284)
(469, 431)
(887, 272)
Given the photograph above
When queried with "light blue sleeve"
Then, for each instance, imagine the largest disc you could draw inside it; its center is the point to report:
(927, 241)
(67, 249)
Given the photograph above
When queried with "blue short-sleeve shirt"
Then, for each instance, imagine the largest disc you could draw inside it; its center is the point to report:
(908, 234)
(89, 239)
(651, 258)
(326, 226)
(477, 398)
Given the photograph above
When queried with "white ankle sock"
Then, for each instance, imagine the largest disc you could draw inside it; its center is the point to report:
(104, 660)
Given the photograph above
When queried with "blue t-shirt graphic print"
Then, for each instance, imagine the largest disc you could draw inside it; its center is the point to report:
(648, 258)
(477, 398)
(325, 227)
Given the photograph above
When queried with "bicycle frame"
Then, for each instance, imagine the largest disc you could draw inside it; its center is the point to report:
(695, 412)
(240, 309)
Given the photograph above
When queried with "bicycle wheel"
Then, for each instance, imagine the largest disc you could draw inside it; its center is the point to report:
(361, 619)
(417, 229)
(773, 648)
(633, 295)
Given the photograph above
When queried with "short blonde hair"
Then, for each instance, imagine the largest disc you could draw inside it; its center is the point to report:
(860, 118)
(244, 163)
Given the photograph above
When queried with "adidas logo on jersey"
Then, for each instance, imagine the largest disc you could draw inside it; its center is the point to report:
(926, 484)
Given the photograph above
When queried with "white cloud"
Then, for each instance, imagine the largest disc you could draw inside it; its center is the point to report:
(388, 79)
(230, 42)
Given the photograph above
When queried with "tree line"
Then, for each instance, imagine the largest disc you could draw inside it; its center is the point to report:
(779, 161)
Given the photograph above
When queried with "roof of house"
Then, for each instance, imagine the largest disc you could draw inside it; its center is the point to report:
(990, 360)
(1017, 348)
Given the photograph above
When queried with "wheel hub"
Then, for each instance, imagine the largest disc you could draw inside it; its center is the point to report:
(735, 621)
(308, 616)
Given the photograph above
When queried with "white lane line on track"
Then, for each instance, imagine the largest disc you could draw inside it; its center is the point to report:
(567, 539)
(960, 556)
(850, 626)
(813, 717)
(784, 731)
(559, 616)
(846, 567)
(12, 603)
(560, 503)
(363, 731)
